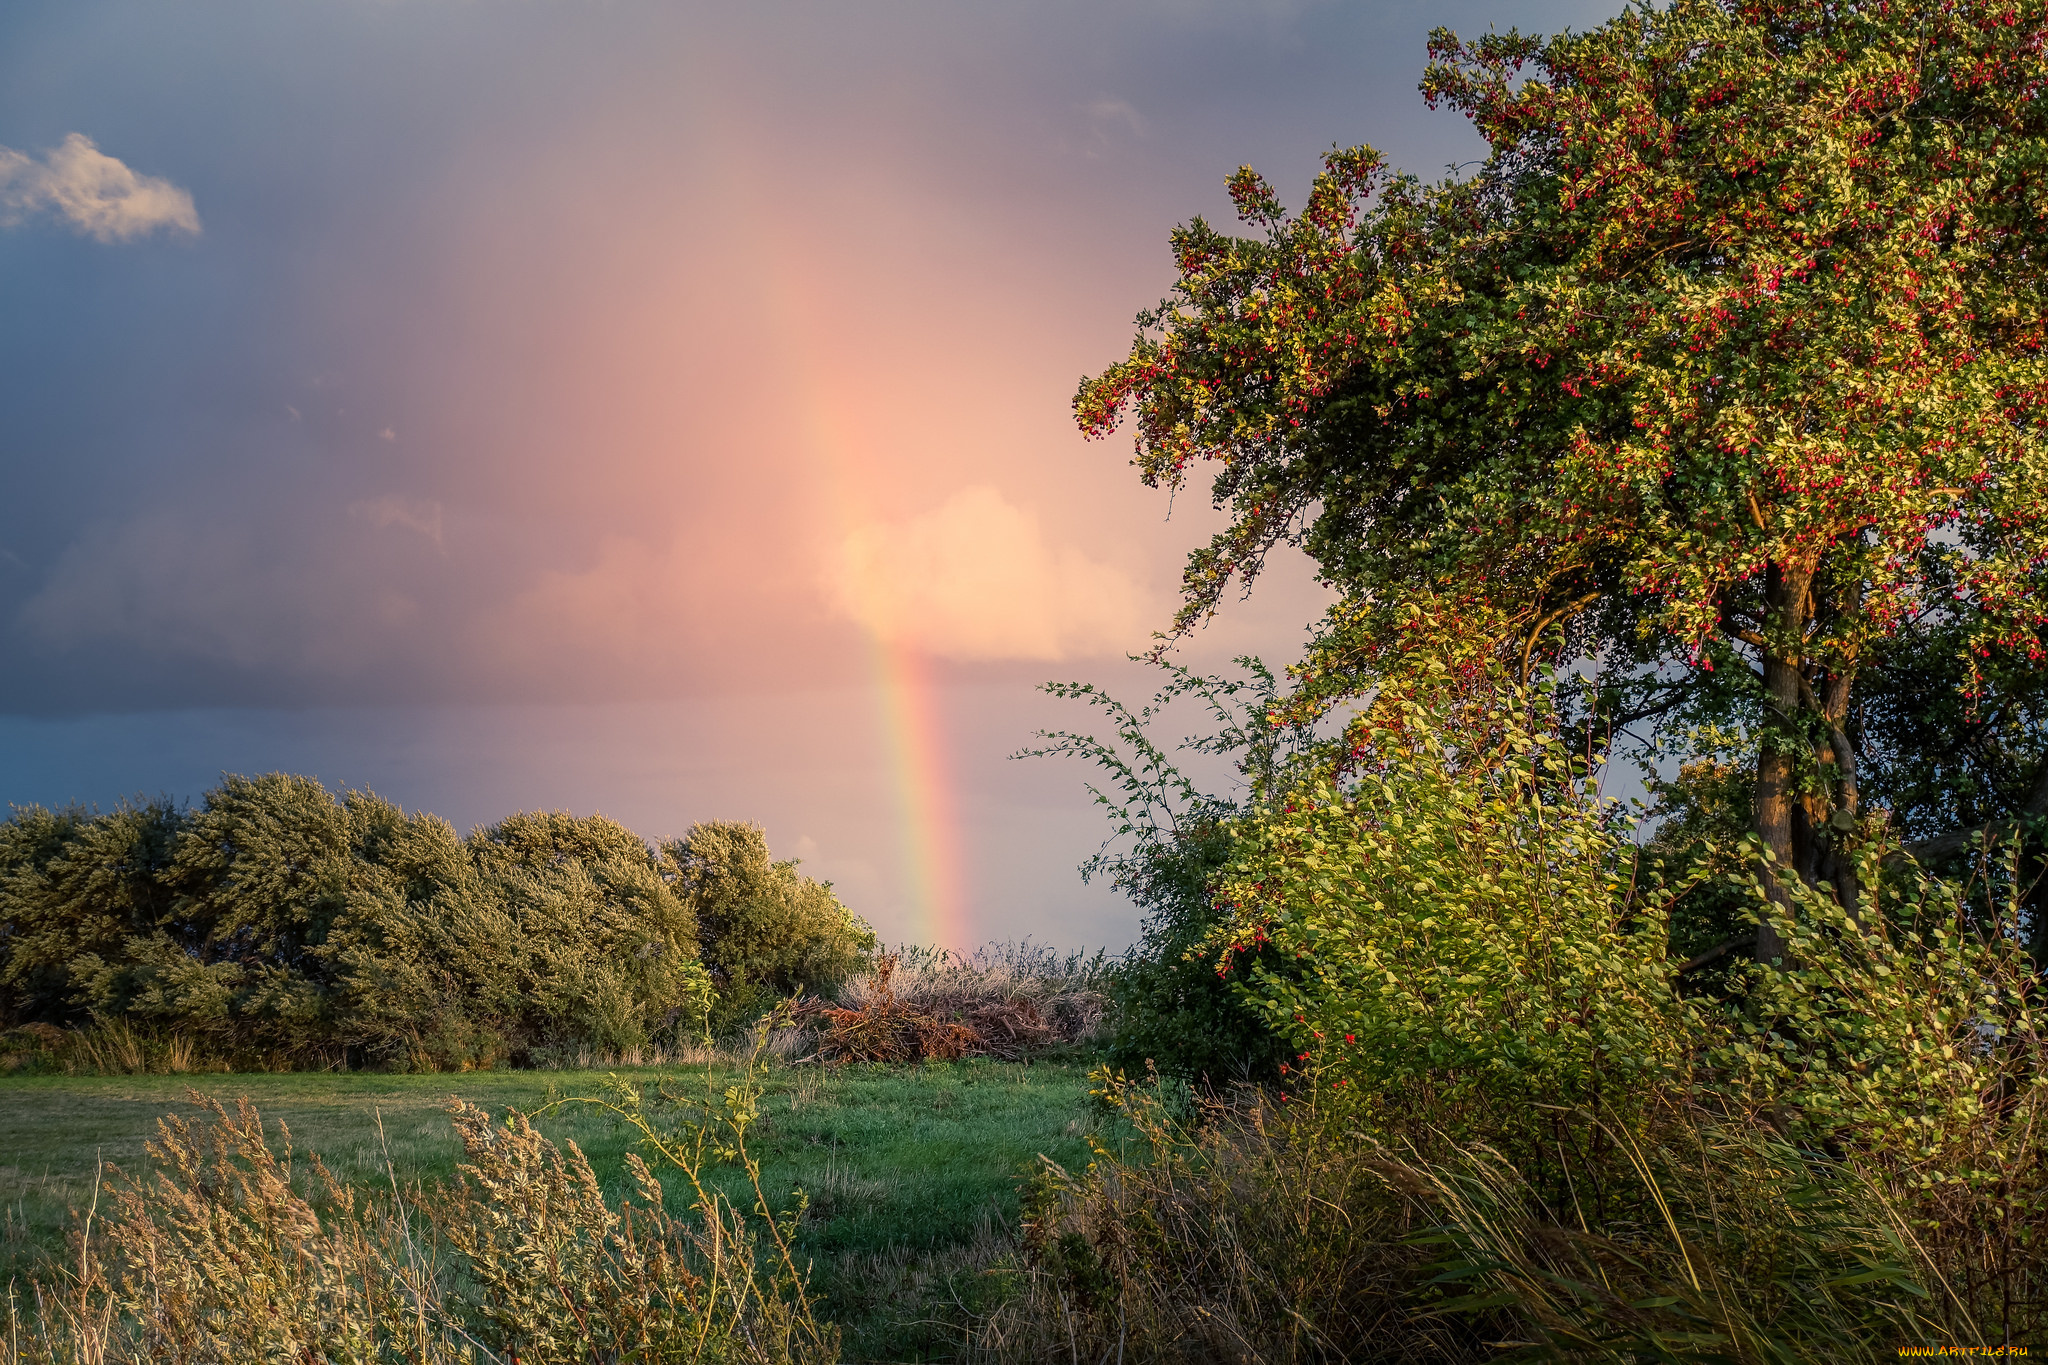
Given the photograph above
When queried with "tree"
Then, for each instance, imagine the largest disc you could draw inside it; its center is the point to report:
(279, 922)
(767, 929)
(1725, 367)
(75, 884)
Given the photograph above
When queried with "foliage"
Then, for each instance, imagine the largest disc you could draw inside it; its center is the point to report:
(277, 925)
(1728, 358)
(76, 884)
(1909, 1039)
(1700, 818)
(767, 931)
(608, 951)
(1171, 1009)
(1480, 962)
(1949, 764)
(1464, 925)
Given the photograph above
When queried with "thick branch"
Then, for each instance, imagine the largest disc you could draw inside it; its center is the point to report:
(1536, 631)
(1714, 953)
(1747, 636)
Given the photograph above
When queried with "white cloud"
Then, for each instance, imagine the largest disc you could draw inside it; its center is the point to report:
(977, 579)
(97, 194)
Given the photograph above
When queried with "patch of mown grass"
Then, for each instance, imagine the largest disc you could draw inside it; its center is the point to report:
(912, 1173)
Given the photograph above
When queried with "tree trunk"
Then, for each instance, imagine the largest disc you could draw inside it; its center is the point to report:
(1780, 820)
(1840, 868)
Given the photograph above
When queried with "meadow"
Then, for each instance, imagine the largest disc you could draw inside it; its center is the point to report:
(912, 1173)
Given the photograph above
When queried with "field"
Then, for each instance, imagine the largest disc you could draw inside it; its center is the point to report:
(912, 1173)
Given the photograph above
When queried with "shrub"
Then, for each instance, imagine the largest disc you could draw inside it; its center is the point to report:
(1171, 1008)
(257, 877)
(31, 1048)
(73, 885)
(610, 957)
(429, 959)
(278, 925)
(767, 931)
(1905, 1041)
(1830, 1155)
(1465, 924)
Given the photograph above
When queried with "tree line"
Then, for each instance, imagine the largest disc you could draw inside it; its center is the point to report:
(281, 924)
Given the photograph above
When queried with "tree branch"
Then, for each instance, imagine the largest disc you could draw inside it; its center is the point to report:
(1536, 631)
(1748, 637)
(1956, 840)
(1716, 952)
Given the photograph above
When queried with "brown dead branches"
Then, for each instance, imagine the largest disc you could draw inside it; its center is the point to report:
(946, 1008)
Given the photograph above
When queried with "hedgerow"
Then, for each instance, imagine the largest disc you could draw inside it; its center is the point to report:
(277, 925)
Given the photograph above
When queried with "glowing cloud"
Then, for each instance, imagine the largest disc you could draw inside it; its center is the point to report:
(95, 193)
(976, 579)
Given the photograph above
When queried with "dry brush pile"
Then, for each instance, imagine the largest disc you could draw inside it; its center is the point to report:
(1005, 1001)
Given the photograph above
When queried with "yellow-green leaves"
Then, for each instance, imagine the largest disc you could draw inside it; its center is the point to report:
(1477, 935)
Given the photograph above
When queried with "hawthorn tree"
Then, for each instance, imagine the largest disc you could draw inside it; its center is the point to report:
(1725, 367)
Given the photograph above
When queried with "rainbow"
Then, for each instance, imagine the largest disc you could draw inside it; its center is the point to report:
(927, 808)
(909, 719)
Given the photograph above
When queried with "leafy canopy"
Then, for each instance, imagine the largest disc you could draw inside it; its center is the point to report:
(1740, 285)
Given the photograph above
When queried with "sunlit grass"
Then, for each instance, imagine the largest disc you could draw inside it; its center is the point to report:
(911, 1172)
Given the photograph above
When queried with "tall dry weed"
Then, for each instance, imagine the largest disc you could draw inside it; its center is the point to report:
(1249, 1231)
(230, 1250)
(1237, 1231)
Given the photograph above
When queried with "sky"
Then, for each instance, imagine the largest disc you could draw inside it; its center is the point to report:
(659, 409)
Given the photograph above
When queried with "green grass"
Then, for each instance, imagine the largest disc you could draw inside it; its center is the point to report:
(912, 1173)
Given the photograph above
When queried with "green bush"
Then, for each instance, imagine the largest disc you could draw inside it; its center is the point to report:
(1497, 1050)
(611, 961)
(1172, 1010)
(258, 877)
(1464, 920)
(767, 931)
(429, 960)
(76, 885)
(277, 925)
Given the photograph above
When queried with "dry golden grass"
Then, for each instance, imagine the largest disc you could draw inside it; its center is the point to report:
(232, 1248)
